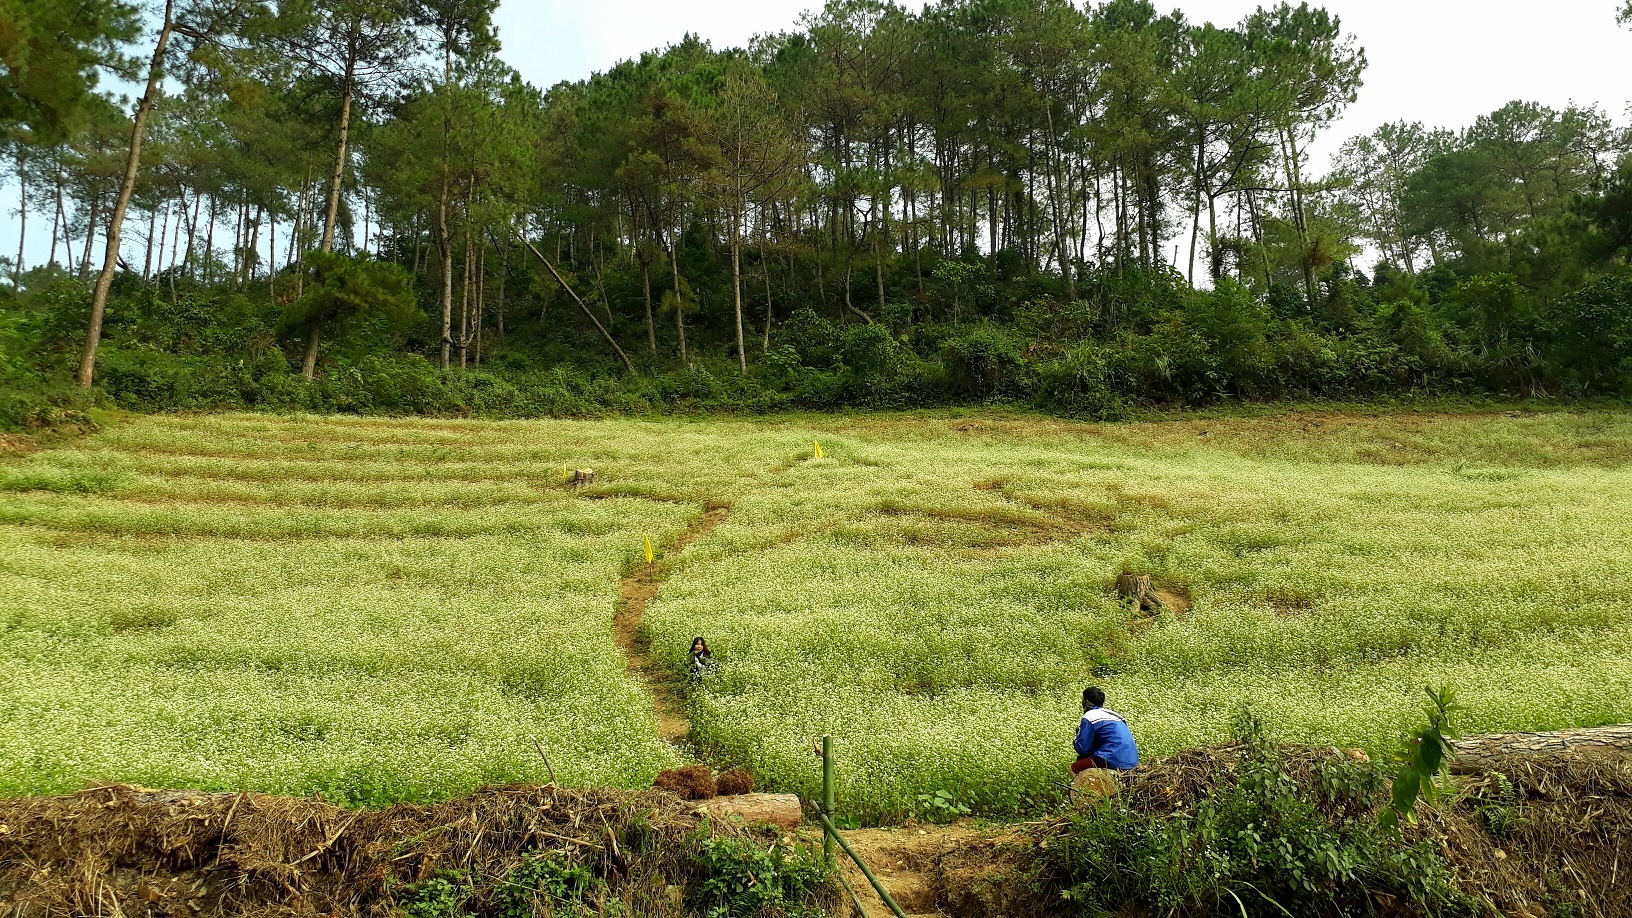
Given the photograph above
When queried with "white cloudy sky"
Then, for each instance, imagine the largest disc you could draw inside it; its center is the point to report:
(1442, 62)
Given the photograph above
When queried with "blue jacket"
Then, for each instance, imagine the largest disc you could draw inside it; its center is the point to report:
(1105, 734)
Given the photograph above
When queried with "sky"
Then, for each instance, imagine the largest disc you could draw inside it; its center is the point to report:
(1441, 62)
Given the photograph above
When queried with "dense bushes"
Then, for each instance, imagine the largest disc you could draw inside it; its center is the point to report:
(1266, 836)
(1129, 341)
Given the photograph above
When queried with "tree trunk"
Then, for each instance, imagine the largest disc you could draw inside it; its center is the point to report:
(765, 267)
(152, 226)
(110, 261)
(581, 305)
(59, 225)
(504, 275)
(464, 304)
(679, 304)
(164, 234)
(736, 288)
(90, 237)
(646, 288)
(444, 247)
(309, 368)
(1482, 753)
(22, 213)
(339, 165)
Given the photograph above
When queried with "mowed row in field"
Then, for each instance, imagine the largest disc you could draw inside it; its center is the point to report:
(381, 609)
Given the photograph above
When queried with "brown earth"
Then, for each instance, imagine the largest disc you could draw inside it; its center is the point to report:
(638, 590)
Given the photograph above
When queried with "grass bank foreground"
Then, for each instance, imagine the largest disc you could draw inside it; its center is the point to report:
(396, 610)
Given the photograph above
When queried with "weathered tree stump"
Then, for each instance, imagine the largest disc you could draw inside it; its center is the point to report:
(1140, 588)
(1482, 753)
(583, 478)
(1093, 785)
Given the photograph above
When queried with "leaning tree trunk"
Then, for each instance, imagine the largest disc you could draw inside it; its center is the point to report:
(110, 259)
(579, 300)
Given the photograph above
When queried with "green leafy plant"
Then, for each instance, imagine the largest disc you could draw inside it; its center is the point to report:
(1425, 756)
(440, 896)
(543, 881)
(741, 878)
(940, 806)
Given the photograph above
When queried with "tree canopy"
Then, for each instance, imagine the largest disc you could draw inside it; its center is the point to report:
(978, 198)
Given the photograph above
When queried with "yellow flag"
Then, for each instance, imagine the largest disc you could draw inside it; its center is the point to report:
(565, 473)
(648, 549)
(818, 451)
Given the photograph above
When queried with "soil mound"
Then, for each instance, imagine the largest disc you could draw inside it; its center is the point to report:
(122, 850)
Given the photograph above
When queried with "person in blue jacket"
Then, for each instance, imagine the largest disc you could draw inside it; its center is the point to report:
(1103, 737)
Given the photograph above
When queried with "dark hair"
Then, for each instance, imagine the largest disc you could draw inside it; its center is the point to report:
(1093, 696)
(695, 641)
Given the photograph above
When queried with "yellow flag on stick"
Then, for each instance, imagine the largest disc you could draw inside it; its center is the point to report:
(817, 449)
(648, 549)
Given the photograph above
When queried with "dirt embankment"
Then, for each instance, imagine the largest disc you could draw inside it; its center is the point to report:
(121, 850)
(1563, 845)
(1537, 834)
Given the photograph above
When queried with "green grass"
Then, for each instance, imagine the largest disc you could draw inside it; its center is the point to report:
(385, 609)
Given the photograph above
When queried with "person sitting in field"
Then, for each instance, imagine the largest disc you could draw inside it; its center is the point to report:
(1103, 737)
(702, 661)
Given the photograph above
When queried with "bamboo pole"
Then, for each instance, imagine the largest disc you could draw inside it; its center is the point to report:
(830, 832)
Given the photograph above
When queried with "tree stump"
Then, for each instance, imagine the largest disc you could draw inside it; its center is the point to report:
(583, 478)
(1141, 589)
(1482, 753)
(1093, 785)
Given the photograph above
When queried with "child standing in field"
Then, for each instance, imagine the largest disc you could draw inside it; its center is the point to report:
(701, 660)
(1103, 737)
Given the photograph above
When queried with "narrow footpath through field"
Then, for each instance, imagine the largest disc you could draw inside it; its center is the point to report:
(635, 593)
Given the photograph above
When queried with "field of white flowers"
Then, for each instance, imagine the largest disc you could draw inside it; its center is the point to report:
(394, 609)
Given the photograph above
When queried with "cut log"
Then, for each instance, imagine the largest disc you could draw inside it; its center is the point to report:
(1482, 753)
(780, 810)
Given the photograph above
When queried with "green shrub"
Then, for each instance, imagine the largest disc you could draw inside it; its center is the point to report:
(1261, 842)
(985, 361)
(741, 878)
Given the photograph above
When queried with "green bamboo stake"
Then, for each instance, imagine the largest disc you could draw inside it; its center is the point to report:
(828, 796)
(833, 832)
(830, 832)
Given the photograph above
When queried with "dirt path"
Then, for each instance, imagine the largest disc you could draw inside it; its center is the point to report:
(636, 593)
(911, 863)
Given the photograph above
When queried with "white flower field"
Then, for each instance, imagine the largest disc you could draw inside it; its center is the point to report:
(382, 610)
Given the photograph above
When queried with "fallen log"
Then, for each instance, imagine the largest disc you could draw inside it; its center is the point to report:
(780, 810)
(1481, 753)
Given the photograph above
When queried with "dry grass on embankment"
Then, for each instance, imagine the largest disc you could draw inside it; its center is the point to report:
(123, 850)
(1563, 845)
